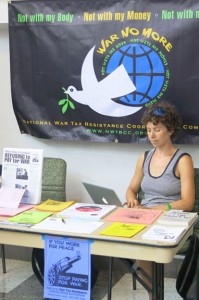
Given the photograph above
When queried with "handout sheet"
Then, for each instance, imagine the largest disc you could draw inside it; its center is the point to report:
(70, 225)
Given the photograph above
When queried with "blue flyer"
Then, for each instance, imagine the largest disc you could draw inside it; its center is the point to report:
(67, 269)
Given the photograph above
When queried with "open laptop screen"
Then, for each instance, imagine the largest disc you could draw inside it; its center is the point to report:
(102, 195)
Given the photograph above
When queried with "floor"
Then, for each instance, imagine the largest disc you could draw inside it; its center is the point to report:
(19, 283)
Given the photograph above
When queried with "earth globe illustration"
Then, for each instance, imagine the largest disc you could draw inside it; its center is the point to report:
(145, 69)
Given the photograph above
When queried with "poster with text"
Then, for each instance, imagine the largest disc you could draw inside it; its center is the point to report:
(22, 169)
(87, 70)
(67, 269)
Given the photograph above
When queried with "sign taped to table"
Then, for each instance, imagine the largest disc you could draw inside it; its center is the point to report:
(67, 269)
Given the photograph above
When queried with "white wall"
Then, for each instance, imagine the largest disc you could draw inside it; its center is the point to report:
(3, 11)
(110, 165)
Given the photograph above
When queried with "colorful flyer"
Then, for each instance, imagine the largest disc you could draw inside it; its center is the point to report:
(67, 269)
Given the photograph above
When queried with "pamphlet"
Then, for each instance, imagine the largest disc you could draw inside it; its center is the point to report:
(161, 233)
(122, 229)
(22, 169)
(9, 212)
(87, 211)
(30, 217)
(11, 197)
(178, 217)
(53, 205)
(133, 215)
(71, 225)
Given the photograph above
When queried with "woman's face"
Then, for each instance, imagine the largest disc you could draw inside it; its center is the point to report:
(158, 134)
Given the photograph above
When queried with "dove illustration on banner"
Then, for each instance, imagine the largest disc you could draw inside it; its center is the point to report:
(98, 95)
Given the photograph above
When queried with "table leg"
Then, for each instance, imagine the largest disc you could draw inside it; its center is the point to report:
(110, 273)
(3, 258)
(161, 276)
(157, 281)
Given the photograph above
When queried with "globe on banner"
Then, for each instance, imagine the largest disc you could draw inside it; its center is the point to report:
(145, 69)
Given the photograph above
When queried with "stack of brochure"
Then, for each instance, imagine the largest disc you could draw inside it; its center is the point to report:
(178, 217)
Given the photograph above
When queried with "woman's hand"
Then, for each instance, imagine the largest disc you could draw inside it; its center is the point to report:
(134, 203)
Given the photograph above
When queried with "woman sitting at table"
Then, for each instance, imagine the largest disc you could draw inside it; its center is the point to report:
(165, 173)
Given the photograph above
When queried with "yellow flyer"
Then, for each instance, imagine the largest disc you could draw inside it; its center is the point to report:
(122, 229)
(53, 205)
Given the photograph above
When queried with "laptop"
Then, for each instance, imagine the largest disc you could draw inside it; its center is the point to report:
(102, 195)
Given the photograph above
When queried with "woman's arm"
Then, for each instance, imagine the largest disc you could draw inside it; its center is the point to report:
(134, 186)
(185, 171)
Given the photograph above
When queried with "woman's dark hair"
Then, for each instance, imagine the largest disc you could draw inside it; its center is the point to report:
(165, 113)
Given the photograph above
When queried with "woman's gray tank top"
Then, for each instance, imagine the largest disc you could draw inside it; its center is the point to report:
(164, 188)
